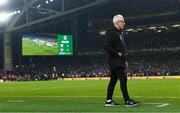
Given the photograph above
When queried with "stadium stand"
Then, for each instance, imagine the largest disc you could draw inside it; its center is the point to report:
(151, 52)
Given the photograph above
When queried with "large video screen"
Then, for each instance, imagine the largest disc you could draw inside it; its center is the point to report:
(36, 45)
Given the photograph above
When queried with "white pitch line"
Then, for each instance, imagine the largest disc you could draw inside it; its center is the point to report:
(15, 101)
(90, 112)
(152, 103)
(163, 105)
(158, 104)
(156, 97)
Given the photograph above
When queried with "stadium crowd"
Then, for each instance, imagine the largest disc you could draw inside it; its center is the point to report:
(162, 40)
(137, 67)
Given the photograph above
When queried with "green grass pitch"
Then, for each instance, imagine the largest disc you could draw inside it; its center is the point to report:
(31, 48)
(161, 95)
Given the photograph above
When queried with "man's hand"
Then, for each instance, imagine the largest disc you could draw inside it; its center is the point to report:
(119, 54)
(126, 64)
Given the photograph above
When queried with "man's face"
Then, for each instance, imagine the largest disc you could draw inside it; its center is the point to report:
(120, 24)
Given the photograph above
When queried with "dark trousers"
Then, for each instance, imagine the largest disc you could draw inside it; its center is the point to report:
(115, 75)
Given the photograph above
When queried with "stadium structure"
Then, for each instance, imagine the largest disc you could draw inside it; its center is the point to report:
(34, 77)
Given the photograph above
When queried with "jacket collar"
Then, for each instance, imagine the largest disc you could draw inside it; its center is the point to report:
(115, 29)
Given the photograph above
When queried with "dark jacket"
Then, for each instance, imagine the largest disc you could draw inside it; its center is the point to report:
(113, 45)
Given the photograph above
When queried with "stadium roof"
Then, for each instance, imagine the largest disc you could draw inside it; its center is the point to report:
(24, 13)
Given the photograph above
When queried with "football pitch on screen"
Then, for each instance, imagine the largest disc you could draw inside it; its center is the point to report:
(88, 96)
(30, 47)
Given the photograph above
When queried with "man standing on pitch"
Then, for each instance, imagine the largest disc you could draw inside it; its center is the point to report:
(117, 61)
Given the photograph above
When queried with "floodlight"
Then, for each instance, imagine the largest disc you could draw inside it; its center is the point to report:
(3, 2)
(4, 16)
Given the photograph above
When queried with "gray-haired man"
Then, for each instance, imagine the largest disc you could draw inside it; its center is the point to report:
(117, 61)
